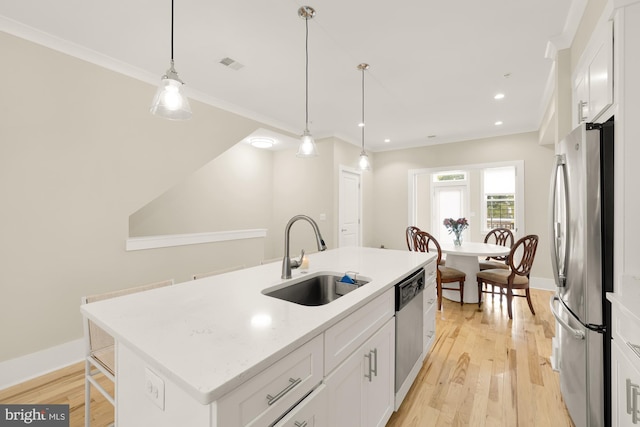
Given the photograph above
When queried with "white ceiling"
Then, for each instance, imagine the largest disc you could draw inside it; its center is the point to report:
(435, 65)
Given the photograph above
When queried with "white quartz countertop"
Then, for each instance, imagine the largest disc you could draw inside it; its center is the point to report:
(211, 335)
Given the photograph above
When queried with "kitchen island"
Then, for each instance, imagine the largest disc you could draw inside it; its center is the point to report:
(184, 352)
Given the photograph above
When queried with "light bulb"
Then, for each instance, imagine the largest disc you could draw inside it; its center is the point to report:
(364, 161)
(307, 147)
(170, 96)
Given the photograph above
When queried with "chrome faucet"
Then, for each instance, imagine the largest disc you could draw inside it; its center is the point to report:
(288, 263)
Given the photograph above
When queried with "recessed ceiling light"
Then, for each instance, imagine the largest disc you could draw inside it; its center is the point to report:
(361, 125)
(498, 123)
(499, 96)
(387, 140)
(431, 136)
(262, 142)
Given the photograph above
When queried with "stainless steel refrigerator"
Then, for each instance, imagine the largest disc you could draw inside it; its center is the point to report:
(581, 211)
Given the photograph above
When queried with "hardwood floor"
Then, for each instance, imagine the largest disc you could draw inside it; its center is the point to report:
(66, 387)
(483, 370)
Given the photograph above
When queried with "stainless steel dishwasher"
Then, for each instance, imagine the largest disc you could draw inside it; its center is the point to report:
(409, 336)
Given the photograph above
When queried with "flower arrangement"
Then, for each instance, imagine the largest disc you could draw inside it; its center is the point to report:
(456, 227)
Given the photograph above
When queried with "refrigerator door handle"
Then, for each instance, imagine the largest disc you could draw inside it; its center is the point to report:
(577, 334)
(560, 276)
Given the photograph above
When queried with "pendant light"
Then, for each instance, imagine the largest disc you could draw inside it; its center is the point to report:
(364, 163)
(307, 147)
(169, 102)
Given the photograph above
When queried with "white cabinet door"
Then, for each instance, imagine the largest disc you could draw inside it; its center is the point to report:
(625, 390)
(582, 96)
(601, 76)
(345, 389)
(593, 84)
(361, 390)
(379, 393)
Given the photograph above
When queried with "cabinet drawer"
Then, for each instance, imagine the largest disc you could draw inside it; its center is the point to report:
(350, 333)
(626, 332)
(429, 296)
(267, 396)
(429, 329)
(430, 274)
(311, 412)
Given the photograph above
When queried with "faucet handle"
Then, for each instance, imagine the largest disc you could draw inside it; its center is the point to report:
(295, 263)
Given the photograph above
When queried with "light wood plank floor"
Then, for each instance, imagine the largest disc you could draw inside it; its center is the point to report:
(483, 370)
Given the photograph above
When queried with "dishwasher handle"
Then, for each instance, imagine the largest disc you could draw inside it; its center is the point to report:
(577, 333)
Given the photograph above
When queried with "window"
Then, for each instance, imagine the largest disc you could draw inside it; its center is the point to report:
(489, 195)
(450, 176)
(499, 190)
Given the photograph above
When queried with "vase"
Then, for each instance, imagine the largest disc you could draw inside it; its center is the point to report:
(457, 240)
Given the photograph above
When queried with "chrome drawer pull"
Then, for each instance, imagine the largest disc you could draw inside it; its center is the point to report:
(373, 370)
(298, 424)
(274, 399)
(369, 375)
(634, 405)
(375, 365)
(635, 348)
(632, 401)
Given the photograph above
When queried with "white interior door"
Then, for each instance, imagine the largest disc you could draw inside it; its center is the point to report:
(448, 202)
(350, 208)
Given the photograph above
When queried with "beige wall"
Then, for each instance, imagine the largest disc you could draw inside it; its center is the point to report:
(232, 192)
(310, 186)
(391, 184)
(590, 18)
(79, 153)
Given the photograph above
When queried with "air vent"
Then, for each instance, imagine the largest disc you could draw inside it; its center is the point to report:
(231, 63)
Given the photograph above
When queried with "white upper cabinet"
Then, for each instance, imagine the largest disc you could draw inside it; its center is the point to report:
(593, 82)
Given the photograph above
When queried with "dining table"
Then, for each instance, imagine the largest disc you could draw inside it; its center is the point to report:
(465, 258)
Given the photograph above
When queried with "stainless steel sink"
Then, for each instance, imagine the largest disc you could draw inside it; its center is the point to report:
(319, 289)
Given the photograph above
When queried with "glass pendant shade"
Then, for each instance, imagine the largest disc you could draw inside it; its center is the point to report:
(169, 101)
(307, 147)
(364, 163)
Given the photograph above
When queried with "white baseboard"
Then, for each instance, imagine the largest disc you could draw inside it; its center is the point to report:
(21, 369)
(542, 283)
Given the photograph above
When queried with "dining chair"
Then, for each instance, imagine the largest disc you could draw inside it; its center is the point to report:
(410, 236)
(100, 348)
(411, 241)
(497, 236)
(520, 261)
(425, 242)
(216, 272)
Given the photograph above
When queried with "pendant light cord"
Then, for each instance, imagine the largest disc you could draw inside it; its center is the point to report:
(363, 109)
(306, 51)
(171, 31)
